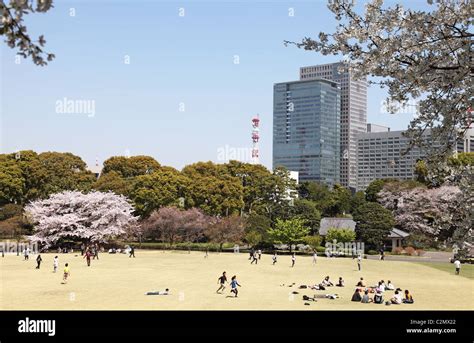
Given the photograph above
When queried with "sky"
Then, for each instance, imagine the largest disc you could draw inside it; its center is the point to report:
(176, 80)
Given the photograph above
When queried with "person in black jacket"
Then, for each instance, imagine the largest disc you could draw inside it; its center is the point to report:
(38, 261)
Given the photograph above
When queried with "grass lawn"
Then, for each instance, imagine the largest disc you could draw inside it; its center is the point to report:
(119, 282)
(467, 270)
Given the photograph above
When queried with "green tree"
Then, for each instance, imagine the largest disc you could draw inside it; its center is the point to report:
(308, 211)
(340, 235)
(114, 182)
(313, 241)
(26, 175)
(253, 238)
(213, 190)
(258, 183)
(258, 223)
(421, 172)
(12, 182)
(289, 231)
(132, 166)
(161, 188)
(339, 202)
(374, 223)
(358, 199)
(374, 187)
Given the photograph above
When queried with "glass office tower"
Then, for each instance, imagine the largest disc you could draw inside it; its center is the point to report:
(306, 129)
(353, 113)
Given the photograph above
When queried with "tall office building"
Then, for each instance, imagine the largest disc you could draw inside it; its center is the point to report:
(306, 129)
(353, 113)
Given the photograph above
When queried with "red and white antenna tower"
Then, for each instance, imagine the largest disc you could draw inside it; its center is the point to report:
(255, 139)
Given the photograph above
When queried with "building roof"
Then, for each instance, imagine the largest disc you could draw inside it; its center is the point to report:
(396, 233)
(336, 223)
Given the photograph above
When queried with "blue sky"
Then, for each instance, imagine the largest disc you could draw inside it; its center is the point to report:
(174, 61)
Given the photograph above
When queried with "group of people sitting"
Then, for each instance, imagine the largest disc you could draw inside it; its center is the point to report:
(362, 291)
(327, 283)
(379, 291)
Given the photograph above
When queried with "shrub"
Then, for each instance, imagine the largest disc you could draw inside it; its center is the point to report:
(340, 235)
(321, 250)
(397, 251)
(420, 252)
(410, 251)
(372, 252)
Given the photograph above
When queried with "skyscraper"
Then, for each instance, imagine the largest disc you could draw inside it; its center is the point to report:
(306, 129)
(353, 113)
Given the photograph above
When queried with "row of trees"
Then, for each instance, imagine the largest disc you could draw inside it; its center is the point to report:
(230, 202)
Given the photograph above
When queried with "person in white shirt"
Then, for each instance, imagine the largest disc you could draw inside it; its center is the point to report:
(293, 260)
(390, 286)
(397, 298)
(457, 264)
(55, 264)
(315, 257)
(274, 258)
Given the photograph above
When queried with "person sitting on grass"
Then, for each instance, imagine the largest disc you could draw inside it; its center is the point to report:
(356, 296)
(326, 282)
(340, 283)
(378, 298)
(397, 298)
(408, 298)
(381, 287)
(365, 298)
(317, 287)
(361, 283)
(390, 286)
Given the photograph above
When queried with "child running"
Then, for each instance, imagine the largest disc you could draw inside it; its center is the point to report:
(254, 258)
(274, 258)
(66, 273)
(222, 281)
(233, 285)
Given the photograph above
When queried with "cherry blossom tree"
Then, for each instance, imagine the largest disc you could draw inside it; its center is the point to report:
(171, 225)
(86, 217)
(417, 55)
(15, 32)
(429, 211)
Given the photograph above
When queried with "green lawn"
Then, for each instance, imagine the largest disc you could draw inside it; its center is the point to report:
(467, 270)
(118, 282)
